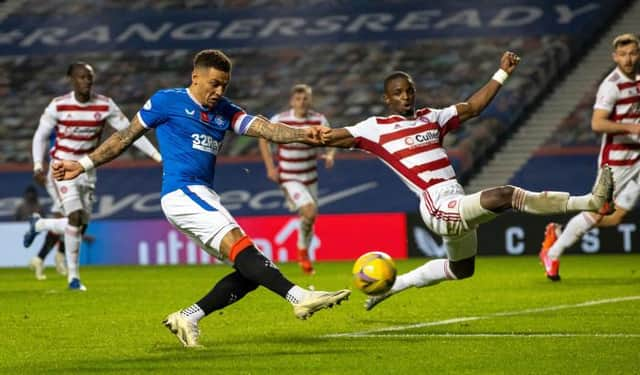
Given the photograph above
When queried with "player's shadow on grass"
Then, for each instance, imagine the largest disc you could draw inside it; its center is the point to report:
(166, 356)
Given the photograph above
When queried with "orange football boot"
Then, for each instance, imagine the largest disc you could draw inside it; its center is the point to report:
(305, 262)
(551, 266)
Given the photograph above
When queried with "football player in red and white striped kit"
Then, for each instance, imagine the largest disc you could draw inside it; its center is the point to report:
(78, 119)
(296, 171)
(616, 114)
(409, 141)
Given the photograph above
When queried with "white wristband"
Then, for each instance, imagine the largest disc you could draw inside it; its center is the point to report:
(500, 76)
(86, 163)
(37, 166)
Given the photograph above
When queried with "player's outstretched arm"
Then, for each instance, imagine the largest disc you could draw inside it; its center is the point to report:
(281, 133)
(107, 151)
(338, 137)
(481, 98)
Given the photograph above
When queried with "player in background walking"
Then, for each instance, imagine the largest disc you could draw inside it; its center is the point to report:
(296, 171)
(616, 114)
(78, 119)
(29, 206)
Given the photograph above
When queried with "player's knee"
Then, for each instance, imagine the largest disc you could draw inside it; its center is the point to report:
(497, 199)
(309, 212)
(464, 268)
(75, 218)
(611, 220)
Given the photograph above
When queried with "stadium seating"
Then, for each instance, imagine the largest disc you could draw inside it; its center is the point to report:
(346, 76)
(572, 148)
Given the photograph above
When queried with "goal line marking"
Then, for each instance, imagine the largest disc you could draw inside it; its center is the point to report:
(378, 331)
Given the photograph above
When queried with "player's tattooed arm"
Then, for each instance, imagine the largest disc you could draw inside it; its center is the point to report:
(281, 133)
(117, 143)
(108, 150)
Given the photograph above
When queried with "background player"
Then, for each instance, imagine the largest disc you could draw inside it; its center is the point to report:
(191, 124)
(29, 206)
(78, 119)
(616, 114)
(296, 171)
(410, 142)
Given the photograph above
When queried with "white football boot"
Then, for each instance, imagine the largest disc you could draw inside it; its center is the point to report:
(185, 330)
(603, 191)
(37, 265)
(372, 301)
(319, 300)
(61, 267)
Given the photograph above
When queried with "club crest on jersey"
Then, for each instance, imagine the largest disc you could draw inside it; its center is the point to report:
(97, 116)
(218, 120)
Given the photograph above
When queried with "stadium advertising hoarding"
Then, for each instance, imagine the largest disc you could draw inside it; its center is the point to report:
(351, 186)
(156, 242)
(298, 26)
(518, 234)
(338, 237)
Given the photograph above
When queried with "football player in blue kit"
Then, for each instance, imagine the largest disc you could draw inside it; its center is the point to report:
(190, 125)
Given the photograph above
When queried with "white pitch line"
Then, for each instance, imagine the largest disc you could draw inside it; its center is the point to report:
(489, 335)
(481, 317)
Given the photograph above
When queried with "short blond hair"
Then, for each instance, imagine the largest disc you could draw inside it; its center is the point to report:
(624, 39)
(301, 88)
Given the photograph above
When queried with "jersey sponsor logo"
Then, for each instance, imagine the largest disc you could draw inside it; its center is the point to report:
(430, 136)
(190, 112)
(204, 142)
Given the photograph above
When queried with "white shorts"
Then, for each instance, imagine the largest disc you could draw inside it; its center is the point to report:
(56, 205)
(196, 211)
(299, 194)
(77, 194)
(626, 186)
(441, 208)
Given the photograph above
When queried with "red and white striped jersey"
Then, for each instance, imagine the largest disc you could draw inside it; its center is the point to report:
(78, 127)
(298, 161)
(620, 95)
(411, 147)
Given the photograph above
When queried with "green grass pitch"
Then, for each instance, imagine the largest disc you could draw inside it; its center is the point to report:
(507, 319)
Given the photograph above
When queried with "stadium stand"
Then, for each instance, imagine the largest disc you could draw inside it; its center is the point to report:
(573, 145)
(346, 76)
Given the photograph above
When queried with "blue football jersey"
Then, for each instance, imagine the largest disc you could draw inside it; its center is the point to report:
(190, 135)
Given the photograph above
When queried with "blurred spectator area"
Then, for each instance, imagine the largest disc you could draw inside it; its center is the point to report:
(575, 130)
(346, 77)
